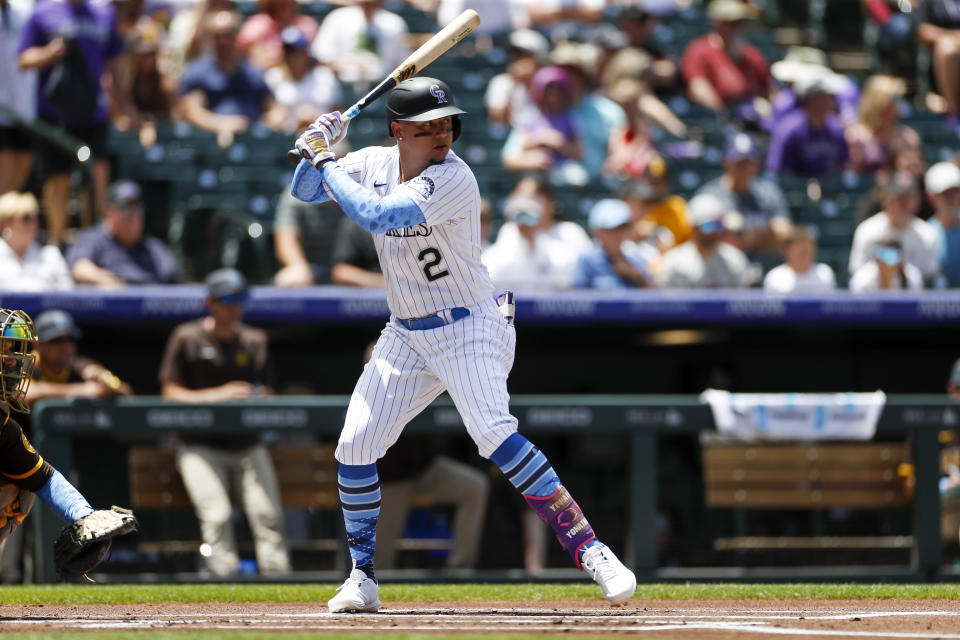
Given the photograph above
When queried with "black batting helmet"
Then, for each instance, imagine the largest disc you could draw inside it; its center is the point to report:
(421, 99)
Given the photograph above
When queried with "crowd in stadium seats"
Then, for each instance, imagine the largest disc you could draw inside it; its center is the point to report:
(573, 108)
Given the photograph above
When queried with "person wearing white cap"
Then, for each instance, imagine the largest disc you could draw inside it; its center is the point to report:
(614, 262)
(533, 251)
(705, 261)
(943, 191)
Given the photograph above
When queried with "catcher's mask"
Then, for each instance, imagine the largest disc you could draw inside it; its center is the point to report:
(17, 359)
(422, 99)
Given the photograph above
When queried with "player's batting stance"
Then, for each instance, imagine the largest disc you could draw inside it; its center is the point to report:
(422, 205)
(24, 474)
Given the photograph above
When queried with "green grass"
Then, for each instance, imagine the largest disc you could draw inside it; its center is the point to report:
(136, 594)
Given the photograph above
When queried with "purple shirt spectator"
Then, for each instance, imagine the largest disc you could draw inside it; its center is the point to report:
(91, 30)
(797, 148)
(241, 93)
(147, 262)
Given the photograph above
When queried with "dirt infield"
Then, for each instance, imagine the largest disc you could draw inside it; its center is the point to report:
(714, 619)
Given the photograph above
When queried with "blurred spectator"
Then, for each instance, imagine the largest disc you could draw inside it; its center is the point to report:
(943, 191)
(496, 16)
(887, 270)
(533, 250)
(24, 264)
(214, 359)
(938, 28)
(891, 33)
(72, 44)
(355, 260)
(564, 16)
(638, 23)
(917, 239)
(126, 14)
(950, 469)
(260, 37)
(594, 115)
(18, 94)
(149, 81)
(631, 146)
(872, 139)
(766, 215)
(116, 252)
(507, 96)
(303, 87)
(649, 207)
(810, 142)
(633, 65)
(705, 261)
(548, 140)
(613, 262)
(903, 157)
(303, 242)
(223, 92)
(800, 271)
(804, 62)
(363, 42)
(60, 372)
(722, 71)
(188, 37)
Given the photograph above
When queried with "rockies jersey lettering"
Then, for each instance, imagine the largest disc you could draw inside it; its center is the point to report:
(435, 265)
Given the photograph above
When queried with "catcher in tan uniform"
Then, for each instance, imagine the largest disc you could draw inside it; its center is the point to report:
(24, 474)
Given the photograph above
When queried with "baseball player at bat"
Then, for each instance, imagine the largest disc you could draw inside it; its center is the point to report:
(422, 206)
(24, 474)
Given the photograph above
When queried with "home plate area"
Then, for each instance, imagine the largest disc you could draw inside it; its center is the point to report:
(676, 619)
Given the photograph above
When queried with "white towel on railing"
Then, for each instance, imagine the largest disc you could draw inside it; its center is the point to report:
(796, 416)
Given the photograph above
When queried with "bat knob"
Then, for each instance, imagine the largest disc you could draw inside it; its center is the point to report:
(293, 156)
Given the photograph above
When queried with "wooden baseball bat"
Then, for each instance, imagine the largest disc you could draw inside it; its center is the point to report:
(441, 42)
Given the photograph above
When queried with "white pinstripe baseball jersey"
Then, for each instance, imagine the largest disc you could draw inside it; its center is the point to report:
(436, 265)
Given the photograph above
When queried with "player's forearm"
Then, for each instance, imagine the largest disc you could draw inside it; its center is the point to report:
(353, 276)
(703, 93)
(84, 271)
(63, 498)
(365, 207)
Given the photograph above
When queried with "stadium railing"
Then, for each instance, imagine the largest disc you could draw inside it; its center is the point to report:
(643, 419)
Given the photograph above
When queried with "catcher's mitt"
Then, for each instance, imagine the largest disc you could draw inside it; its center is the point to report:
(81, 546)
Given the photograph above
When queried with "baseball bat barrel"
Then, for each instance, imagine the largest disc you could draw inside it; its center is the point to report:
(441, 42)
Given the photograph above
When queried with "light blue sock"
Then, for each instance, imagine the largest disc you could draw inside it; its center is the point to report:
(359, 488)
(525, 467)
(64, 499)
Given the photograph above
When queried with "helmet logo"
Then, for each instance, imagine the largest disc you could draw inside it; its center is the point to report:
(438, 93)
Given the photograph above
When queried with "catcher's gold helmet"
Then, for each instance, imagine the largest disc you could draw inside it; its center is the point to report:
(17, 359)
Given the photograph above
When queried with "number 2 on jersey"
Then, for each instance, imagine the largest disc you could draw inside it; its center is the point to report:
(430, 257)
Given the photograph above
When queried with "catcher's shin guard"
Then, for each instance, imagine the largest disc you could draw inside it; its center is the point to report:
(15, 504)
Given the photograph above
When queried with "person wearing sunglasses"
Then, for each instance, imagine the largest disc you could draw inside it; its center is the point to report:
(707, 260)
(214, 359)
(26, 265)
(888, 270)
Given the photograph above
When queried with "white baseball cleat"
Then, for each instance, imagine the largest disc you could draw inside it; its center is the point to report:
(358, 594)
(618, 582)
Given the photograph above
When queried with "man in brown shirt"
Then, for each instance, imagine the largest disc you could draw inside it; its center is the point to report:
(213, 359)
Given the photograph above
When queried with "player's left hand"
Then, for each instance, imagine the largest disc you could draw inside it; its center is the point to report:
(81, 546)
(314, 144)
